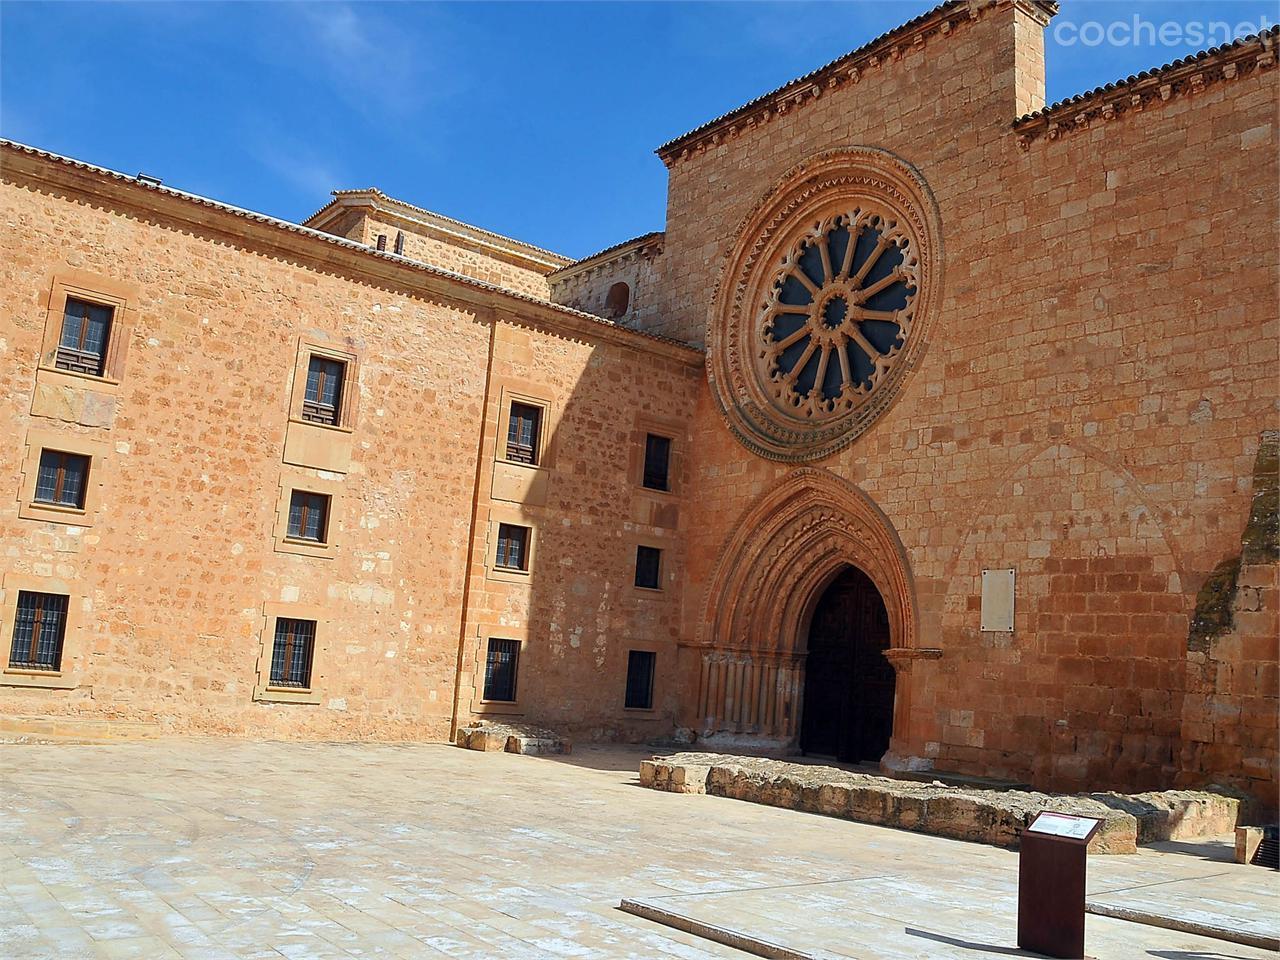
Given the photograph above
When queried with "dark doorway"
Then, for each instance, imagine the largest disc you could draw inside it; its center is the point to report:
(848, 686)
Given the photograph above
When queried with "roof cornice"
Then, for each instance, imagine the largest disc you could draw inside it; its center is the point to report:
(495, 244)
(318, 250)
(849, 69)
(647, 245)
(1185, 77)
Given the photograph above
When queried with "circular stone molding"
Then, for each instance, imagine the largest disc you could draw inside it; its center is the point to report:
(825, 303)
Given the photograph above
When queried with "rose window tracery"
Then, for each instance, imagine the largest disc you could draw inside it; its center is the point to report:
(825, 303)
(838, 313)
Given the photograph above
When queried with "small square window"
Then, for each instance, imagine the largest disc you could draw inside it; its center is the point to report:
(39, 627)
(323, 396)
(62, 479)
(500, 667)
(657, 462)
(309, 516)
(291, 653)
(82, 345)
(649, 568)
(513, 547)
(640, 664)
(523, 429)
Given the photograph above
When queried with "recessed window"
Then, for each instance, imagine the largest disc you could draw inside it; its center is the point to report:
(657, 462)
(309, 516)
(617, 301)
(62, 479)
(640, 664)
(500, 666)
(649, 568)
(513, 547)
(86, 328)
(39, 627)
(523, 429)
(324, 390)
(400, 243)
(382, 241)
(291, 653)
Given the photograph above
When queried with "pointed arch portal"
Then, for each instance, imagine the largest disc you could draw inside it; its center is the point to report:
(812, 534)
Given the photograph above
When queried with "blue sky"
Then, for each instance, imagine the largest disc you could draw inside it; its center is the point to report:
(537, 120)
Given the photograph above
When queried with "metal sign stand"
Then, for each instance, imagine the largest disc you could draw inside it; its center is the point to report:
(1051, 874)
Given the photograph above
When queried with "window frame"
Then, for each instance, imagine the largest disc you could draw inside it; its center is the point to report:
(675, 432)
(476, 659)
(525, 542)
(535, 448)
(316, 410)
(511, 515)
(61, 472)
(66, 677)
(309, 499)
(345, 411)
(264, 691)
(484, 671)
(542, 456)
(635, 579)
(99, 291)
(653, 680)
(294, 479)
(99, 455)
(644, 462)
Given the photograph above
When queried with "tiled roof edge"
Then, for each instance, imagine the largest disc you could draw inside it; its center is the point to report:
(645, 238)
(520, 247)
(1186, 75)
(342, 243)
(841, 70)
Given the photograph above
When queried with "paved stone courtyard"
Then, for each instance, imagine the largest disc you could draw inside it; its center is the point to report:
(227, 849)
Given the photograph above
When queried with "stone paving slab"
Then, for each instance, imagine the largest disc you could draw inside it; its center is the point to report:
(240, 851)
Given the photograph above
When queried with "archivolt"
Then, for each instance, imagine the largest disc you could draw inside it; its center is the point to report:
(789, 545)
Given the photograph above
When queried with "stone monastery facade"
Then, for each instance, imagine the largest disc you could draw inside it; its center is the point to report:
(937, 429)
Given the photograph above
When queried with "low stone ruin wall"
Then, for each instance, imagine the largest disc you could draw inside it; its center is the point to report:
(995, 817)
(512, 738)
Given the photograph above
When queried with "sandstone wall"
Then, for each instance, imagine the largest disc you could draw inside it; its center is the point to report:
(177, 573)
(1089, 406)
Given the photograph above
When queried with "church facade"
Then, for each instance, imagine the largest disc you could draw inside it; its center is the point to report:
(938, 429)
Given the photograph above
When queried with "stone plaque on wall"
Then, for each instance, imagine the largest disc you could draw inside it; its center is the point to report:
(997, 601)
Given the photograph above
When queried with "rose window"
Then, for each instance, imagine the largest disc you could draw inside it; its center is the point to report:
(838, 314)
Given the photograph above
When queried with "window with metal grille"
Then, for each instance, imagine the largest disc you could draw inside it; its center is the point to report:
(382, 241)
(657, 462)
(324, 390)
(649, 568)
(309, 516)
(291, 654)
(39, 626)
(513, 547)
(86, 328)
(640, 664)
(522, 433)
(500, 670)
(400, 243)
(62, 478)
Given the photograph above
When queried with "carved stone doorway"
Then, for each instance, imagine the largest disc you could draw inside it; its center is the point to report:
(847, 710)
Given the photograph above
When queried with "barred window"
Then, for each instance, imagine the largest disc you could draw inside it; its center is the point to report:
(86, 327)
(523, 428)
(500, 670)
(39, 626)
(513, 547)
(382, 241)
(291, 655)
(309, 516)
(657, 462)
(649, 568)
(324, 390)
(62, 478)
(640, 664)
